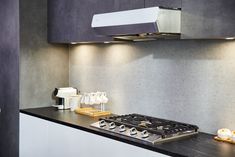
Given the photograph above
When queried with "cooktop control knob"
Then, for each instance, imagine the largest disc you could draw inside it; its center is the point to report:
(133, 131)
(122, 128)
(112, 125)
(144, 134)
(102, 123)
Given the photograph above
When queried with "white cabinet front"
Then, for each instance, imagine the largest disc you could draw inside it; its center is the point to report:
(42, 138)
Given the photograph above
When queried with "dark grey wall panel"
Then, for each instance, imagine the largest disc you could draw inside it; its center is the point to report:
(61, 21)
(163, 3)
(208, 18)
(127, 4)
(70, 21)
(9, 78)
(84, 14)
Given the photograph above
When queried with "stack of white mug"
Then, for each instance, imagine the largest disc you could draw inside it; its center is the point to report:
(95, 98)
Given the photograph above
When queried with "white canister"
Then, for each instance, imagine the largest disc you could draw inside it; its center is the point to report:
(74, 102)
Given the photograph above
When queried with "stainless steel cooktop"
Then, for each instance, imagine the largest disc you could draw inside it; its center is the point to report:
(145, 128)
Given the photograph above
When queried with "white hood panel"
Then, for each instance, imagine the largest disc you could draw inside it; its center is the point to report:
(138, 21)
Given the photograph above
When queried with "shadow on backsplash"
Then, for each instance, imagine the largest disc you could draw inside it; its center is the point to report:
(191, 81)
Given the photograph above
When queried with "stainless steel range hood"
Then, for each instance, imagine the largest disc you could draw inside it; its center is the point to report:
(139, 24)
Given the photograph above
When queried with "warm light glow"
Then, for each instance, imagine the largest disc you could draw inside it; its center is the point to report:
(106, 42)
(73, 43)
(230, 38)
(119, 54)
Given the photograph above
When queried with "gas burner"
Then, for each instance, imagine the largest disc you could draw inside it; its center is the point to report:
(145, 124)
(145, 128)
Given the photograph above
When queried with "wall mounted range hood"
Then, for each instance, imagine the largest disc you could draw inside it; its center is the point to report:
(139, 24)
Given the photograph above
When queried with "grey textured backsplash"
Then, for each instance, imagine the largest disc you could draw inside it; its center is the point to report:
(191, 81)
(42, 66)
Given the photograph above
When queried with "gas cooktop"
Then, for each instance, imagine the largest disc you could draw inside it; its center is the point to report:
(145, 128)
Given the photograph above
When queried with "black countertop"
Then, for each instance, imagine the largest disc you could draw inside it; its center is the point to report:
(201, 145)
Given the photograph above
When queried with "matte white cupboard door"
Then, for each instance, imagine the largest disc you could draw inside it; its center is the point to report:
(34, 141)
(42, 138)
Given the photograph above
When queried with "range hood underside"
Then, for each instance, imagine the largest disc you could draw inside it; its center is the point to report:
(147, 37)
(132, 32)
